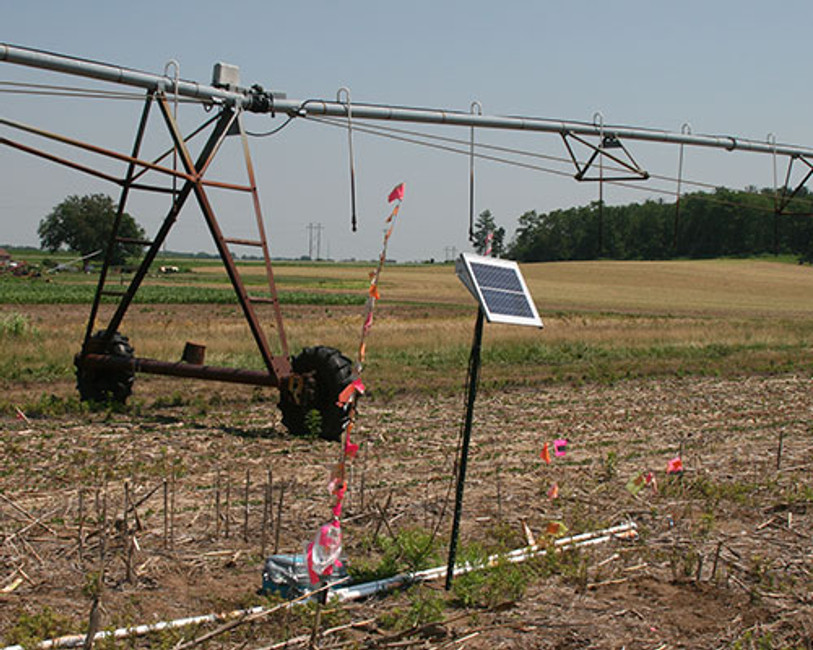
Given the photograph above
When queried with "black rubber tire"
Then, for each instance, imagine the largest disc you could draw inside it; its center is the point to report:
(105, 385)
(326, 372)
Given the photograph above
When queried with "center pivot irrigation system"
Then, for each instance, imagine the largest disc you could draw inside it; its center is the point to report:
(106, 364)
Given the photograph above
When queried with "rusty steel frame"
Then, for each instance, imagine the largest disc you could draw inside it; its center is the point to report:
(182, 369)
(278, 367)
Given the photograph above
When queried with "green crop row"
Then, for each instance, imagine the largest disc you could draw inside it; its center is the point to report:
(36, 291)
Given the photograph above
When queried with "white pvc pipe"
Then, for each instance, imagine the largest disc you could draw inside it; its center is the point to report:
(75, 640)
(355, 592)
(348, 593)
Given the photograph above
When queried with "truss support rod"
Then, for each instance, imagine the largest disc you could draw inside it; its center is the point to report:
(269, 272)
(169, 221)
(279, 366)
(108, 260)
(259, 101)
(786, 197)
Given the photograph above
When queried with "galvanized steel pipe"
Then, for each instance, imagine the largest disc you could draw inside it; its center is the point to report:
(259, 101)
(116, 74)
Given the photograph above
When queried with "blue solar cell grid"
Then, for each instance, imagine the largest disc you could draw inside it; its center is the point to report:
(502, 290)
(496, 277)
(507, 303)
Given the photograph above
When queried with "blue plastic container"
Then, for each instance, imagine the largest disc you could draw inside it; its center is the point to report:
(287, 575)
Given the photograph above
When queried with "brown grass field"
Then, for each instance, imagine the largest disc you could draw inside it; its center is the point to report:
(638, 362)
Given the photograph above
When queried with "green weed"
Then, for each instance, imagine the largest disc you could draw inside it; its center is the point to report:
(410, 550)
(610, 466)
(17, 326)
(313, 423)
(753, 641)
(29, 629)
(489, 585)
(425, 606)
(47, 405)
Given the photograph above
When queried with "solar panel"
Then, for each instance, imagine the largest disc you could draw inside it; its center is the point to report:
(500, 289)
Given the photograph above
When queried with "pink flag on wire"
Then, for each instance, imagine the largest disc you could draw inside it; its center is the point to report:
(351, 449)
(489, 240)
(553, 492)
(397, 193)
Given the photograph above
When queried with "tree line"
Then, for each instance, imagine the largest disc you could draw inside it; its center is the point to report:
(723, 223)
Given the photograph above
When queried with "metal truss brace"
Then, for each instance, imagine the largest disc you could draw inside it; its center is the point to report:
(194, 185)
(607, 142)
(787, 196)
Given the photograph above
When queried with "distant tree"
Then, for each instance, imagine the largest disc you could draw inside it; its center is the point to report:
(482, 227)
(83, 224)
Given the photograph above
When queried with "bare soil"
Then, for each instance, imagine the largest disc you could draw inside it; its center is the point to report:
(723, 556)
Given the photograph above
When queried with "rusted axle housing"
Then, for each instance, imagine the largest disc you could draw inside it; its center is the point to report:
(181, 369)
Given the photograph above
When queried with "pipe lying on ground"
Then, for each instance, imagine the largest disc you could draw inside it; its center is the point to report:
(355, 592)
(76, 640)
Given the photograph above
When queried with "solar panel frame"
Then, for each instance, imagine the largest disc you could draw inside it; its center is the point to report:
(499, 288)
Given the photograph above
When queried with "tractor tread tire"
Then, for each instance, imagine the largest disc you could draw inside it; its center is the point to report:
(329, 371)
(106, 385)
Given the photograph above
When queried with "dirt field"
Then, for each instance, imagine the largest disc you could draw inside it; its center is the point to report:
(724, 555)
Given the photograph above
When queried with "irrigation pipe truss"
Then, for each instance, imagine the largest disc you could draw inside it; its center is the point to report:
(258, 100)
(354, 592)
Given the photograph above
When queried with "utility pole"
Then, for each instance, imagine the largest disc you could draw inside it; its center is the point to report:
(318, 227)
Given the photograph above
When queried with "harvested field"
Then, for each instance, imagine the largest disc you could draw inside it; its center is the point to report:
(723, 555)
(175, 500)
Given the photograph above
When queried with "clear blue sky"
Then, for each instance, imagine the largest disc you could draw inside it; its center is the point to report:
(736, 67)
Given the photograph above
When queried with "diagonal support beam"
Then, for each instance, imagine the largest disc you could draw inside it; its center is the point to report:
(602, 151)
(111, 244)
(220, 129)
(276, 365)
(787, 196)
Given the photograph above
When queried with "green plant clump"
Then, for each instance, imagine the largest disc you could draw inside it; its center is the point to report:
(29, 629)
(489, 584)
(426, 606)
(410, 550)
(17, 326)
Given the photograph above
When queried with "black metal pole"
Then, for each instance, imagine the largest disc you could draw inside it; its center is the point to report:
(474, 372)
